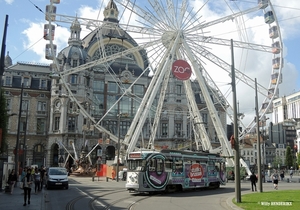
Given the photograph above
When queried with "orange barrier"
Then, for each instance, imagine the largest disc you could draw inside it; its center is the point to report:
(102, 172)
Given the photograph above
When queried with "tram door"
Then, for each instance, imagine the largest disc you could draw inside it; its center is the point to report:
(155, 175)
(222, 172)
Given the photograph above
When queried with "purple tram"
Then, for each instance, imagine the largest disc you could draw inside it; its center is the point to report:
(174, 170)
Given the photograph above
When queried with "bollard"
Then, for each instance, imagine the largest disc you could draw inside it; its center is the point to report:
(106, 179)
(287, 180)
(299, 180)
(93, 178)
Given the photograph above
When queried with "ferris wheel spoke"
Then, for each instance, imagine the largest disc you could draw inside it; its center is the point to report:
(223, 19)
(238, 44)
(143, 14)
(162, 13)
(227, 67)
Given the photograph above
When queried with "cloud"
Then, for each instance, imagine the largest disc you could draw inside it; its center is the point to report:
(9, 1)
(36, 43)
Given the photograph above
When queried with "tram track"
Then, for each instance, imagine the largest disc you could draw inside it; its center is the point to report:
(71, 204)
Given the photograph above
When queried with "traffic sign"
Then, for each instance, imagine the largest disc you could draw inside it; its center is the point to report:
(181, 70)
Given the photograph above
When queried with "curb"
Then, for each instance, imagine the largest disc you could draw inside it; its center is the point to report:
(231, 205)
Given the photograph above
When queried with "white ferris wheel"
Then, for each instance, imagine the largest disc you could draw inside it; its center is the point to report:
(174, 30)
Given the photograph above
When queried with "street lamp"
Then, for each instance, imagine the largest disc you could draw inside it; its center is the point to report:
(118, 155)
(18, 132)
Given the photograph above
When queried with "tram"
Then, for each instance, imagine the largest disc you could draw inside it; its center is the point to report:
(173, 170)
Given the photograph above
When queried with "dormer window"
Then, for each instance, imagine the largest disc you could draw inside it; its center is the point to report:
(75, 63)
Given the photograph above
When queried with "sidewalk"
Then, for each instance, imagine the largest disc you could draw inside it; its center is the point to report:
(16, 200)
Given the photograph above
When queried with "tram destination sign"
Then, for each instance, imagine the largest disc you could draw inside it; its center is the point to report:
(181, 70)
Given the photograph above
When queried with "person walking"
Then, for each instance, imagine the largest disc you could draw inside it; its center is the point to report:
(37, 180)
(27, 186)
(12, 179)
(291, 173)
(275, 179)
(253, 179)
(42, 172)
(281, 175)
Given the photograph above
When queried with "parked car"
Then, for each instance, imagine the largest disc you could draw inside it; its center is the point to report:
(57, 177)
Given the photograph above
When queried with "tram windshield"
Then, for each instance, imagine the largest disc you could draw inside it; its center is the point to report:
(136, 165)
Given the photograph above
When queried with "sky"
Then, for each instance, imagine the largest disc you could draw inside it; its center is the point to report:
(25, 31)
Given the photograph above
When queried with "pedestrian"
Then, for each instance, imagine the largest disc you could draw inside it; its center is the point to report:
(275, 179)
(37, 180)
(23, 174)
(27, 186)
(282, 175)
(12, 179)
(253, 179)
(42, 172)
(291, 173)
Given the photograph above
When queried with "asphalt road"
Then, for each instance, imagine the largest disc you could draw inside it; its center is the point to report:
(83, 193)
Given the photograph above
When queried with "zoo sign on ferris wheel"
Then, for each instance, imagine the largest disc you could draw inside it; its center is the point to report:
(181, 70)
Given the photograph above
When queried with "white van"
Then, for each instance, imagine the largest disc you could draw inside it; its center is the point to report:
(57, 177)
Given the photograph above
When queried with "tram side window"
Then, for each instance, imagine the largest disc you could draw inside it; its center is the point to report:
(178, 166)
(168, 164)
(152, 164)
(160, 165)
(136, 165)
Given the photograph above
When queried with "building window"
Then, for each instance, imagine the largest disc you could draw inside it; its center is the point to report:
(138, 90)
(73, 79)
(124, 126)
(112, 87)
(75, 63)
(178, 129)
(71, 124)
(23, 124)
(43, 84)
(88, 81)
(38, 149)
(8, 81)
(8, 104)
(40, 125)
(26, 82)
(178, 89)
(25, 105)
(42, 106)
(204, 117)
(98, 85)
(56, 123)
(164, 129)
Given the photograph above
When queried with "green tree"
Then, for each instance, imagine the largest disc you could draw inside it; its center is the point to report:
(277, 161)
(288, 157)
(298, 160)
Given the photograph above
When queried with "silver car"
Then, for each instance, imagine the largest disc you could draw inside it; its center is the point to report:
(57, 177)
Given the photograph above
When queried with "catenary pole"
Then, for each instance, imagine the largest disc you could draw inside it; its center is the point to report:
(236, 133)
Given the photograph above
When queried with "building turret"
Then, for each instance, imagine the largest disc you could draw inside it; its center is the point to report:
(7, 61)
(111, 12)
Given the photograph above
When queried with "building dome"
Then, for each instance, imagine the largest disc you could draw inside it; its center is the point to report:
(73, 53)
